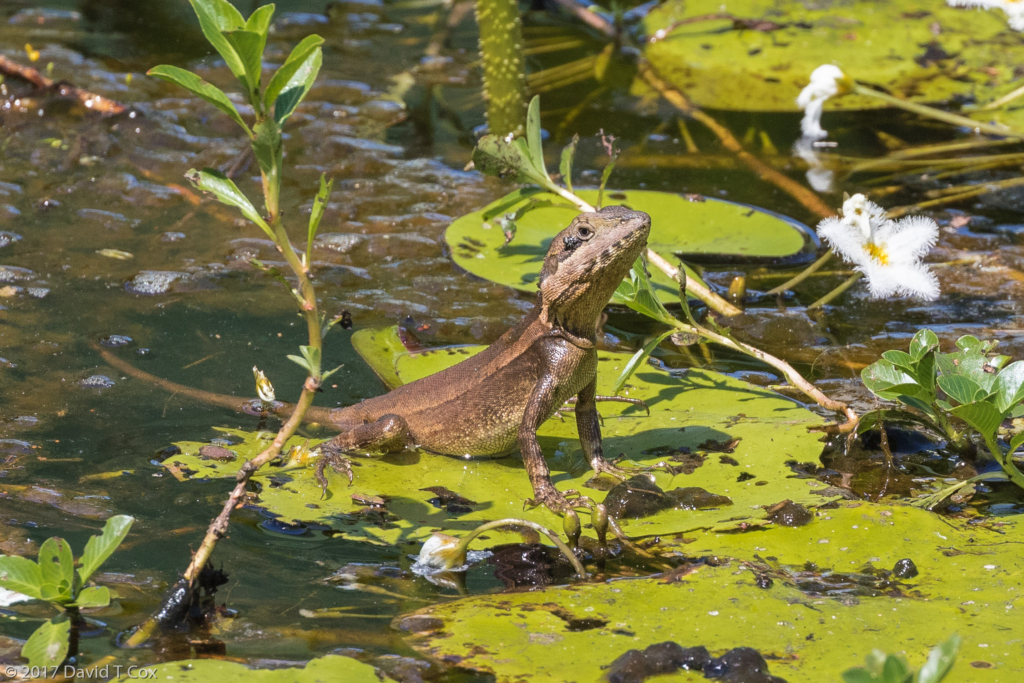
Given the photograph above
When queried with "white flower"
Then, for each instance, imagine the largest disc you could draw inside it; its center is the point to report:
(888, 253)
(1014, 9)
(442, 551)
(826, 81)
(263, 386)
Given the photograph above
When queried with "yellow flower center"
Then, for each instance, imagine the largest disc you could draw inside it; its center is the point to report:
(877, 252)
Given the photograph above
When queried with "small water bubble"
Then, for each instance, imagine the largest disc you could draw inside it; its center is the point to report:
(114, 341)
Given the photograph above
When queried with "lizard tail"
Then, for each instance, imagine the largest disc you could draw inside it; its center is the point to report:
(250, 406)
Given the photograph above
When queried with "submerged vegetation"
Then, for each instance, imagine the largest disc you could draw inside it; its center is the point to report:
(793, 492)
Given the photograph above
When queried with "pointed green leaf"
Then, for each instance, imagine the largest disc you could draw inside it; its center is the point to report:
(93, 596)
(534, 139)
(198, 86)
(638, 358)
(887, 381)
(506, 158)
(901, 359)
(982, 416)
(212, 180)
(21, 575)
(319, 206)
(636, 292)
(215, 17)
(1009, 386)
(286, 74)
(48, 645)
(268, 150)
(1015, 443)
(57, 566)
(99, 548)
(895, 670)
(940, 661)
(259, 21)
(858, 675)
(249, 46)
(568, 155)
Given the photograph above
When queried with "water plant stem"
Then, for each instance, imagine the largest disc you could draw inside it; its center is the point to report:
(808, 198)
(807, 272)
(1005, 460)
(849, 282)
(559, 543)
(937, 114)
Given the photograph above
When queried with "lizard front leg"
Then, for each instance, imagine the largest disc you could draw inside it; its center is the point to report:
(388, 433)
(537, 410)
(589, 427)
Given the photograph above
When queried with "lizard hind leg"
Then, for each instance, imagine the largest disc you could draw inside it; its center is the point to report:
(388, 433)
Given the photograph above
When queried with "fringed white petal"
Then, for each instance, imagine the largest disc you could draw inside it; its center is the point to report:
(843, 239)
(909, 239)
(883, 281)
(914, 280)
(919, 282)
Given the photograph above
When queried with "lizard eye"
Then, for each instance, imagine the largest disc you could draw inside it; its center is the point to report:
(585, 232)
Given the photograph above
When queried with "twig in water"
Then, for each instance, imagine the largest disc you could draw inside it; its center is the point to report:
(89, 100)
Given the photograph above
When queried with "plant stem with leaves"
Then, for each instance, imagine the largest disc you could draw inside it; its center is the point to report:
(240, 43)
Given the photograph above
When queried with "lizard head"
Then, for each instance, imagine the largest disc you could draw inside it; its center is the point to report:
(587, 261)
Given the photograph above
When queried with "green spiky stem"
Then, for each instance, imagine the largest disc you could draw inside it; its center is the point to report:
(501, 51)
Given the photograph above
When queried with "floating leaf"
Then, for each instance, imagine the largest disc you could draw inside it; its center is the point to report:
(686, 411)
(329, 668)
(679, 226)
(969, 582)
(758, 54)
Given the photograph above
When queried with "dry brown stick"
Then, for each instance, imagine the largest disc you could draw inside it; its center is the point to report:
(806, 197)
(219, 526)
(89, 100)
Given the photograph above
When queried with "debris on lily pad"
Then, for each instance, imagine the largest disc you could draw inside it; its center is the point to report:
(687, 409)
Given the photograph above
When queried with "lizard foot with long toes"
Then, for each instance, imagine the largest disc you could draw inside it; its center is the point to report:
(337, 462)
(552, 499)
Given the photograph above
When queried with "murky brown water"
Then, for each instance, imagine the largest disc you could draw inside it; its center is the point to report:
(73, 184)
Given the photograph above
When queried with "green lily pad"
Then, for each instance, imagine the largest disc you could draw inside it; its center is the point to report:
(970, 582)
(890, 44)
(329, 668)
(678, 226)
(687, 410)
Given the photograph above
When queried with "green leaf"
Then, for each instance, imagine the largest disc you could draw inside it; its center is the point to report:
(772, 433)
(293, 79)
(923, 342)
(858, 675)
(887, 381)
(320, 670)
(679, 226)
(895, 670)
(259, 21)
(267, 149)
(982, 416)
(568, 155)
(638, 357)
(534, 138)
(1015, 443)
(940, 661)
(48, 645)
(901, 359)
(249, 46)
(201, 88)
(216, 17)
(717, 65)
(505, 158)
(93, 596)
(212, 180)
(1009, 387)
(99, 548)
(510, 200)
(309, 360)
(961, 389)
(21, 575)
(636, 292)
(319, 206)
(57, 566)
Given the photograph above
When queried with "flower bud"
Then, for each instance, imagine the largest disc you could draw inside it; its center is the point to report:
(263, 386)
(442, 551)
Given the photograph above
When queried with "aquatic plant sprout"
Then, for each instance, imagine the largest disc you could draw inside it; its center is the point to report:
(888, 253)
(1014, 9)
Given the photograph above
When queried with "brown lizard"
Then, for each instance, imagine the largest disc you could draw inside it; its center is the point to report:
(492, 403)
